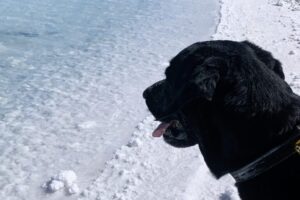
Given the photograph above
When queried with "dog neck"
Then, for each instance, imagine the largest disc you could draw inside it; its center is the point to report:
(272, 176)
(281, 182)
(270, 159)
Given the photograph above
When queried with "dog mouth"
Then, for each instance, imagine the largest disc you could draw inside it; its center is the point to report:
(172, 130)
(165, 128)
(174, 133)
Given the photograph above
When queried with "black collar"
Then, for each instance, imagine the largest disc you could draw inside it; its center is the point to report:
(269, 160)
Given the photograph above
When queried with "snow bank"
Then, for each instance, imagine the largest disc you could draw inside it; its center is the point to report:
(148, 168)
(275, 28)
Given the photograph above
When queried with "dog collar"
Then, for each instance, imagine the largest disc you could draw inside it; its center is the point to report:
(269, 160)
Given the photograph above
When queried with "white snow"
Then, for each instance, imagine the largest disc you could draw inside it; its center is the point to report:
(53, 186)
(275, 28)
(71, 78)
(65, 179)
(154, 170)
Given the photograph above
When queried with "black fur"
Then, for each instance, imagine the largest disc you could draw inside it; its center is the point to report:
(231, 99)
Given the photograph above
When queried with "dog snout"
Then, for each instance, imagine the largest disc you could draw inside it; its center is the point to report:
(149, 90)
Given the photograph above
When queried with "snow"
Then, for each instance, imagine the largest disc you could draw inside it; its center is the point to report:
(275, 28)
(65, 179)
(154, 170)
(72, 75)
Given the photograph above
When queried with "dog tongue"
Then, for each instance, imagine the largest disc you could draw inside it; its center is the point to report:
(161, 129)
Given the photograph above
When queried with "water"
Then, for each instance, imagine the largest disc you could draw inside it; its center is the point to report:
(71, 78)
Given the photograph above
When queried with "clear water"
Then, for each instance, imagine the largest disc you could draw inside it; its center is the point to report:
(71, 77)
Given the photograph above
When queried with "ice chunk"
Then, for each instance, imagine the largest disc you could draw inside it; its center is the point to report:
(64, 179)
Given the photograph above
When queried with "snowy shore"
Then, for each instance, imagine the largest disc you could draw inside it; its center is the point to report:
(152, 170)
(272, 24)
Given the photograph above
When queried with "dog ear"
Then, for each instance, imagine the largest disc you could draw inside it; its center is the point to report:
(202, 82)
(278, 69)
(205, 77)
(257, 91)
(267, 58)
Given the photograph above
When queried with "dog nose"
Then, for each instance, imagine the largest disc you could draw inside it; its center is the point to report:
(146, 93)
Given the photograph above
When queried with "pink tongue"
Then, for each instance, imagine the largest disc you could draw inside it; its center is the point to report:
(161, 129)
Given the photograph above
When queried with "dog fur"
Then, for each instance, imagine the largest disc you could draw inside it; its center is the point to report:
(231, 99)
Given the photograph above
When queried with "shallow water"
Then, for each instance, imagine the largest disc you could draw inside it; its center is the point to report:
(71, 78)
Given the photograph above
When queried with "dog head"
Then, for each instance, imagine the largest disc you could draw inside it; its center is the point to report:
(228, 97)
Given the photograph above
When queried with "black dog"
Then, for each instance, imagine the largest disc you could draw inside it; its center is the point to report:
(231, 99)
